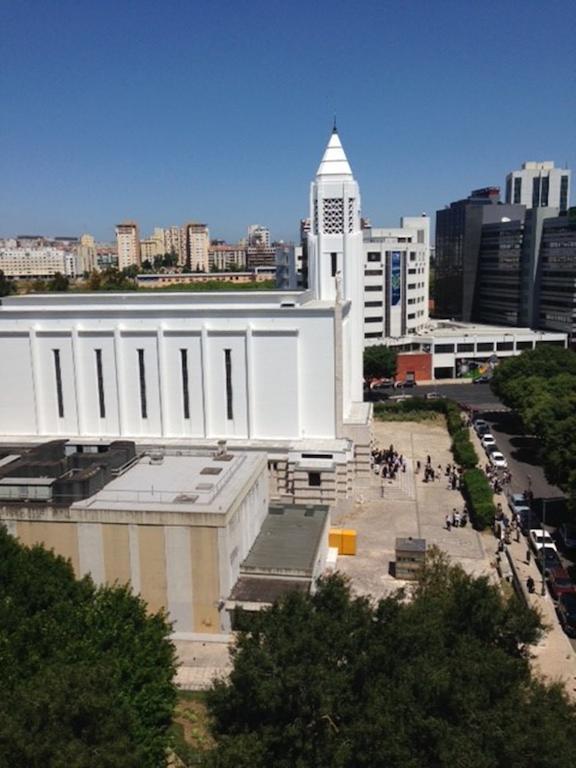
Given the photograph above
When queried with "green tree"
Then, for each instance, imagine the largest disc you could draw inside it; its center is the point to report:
(6, 286)
(540, 385)
(86, 675)
(131, 272)
(58, 283)
(335, 681)
(379, 362)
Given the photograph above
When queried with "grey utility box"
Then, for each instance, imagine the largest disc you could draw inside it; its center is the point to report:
(410, 555)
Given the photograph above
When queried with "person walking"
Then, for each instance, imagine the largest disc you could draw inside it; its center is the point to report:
(528, 556)
(448, 522)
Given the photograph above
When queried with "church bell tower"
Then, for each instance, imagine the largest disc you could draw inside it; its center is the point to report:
(335, 256)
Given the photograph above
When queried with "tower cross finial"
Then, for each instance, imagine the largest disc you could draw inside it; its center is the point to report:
(334, 129)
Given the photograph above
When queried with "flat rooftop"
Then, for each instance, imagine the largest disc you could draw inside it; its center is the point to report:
(197, 482)
(456, 328)
(177, 302)
(288, 540)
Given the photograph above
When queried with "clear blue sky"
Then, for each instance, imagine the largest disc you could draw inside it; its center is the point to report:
(219, 110)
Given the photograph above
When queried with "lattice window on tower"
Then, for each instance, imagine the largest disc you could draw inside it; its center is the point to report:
(333, 216)
(315, 217)
(351, 202)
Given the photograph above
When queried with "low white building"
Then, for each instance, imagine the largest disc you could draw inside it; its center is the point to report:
(31, 263)
(455, 348)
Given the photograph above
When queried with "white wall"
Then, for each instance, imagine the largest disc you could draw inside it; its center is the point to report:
(282, 374)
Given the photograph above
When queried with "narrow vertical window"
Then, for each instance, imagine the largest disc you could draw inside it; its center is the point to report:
(185, 392)
(333, 263)
(142, 374)
(228, 363)
(58, 373)
(100, 380)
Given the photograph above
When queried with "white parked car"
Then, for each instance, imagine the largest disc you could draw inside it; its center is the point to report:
(498, 459)
(541, 538)
(488, 441)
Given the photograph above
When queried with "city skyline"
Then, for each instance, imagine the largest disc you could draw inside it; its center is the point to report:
(163, 114)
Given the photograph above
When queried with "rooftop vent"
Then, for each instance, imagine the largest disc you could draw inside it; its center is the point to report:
(287, 304)
(221, 452)
(204, 486)
(211, 470)
(185, 498)
(156, 458)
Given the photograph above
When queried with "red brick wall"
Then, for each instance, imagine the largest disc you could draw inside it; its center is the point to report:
(418, 363)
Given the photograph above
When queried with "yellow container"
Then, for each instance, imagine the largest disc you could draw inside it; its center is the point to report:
(348, 542)
(335, 539)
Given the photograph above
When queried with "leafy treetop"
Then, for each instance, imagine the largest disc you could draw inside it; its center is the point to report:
(85, 673)
(336, 681)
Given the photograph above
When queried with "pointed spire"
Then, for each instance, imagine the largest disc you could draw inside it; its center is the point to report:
(334, 162)
(334, 129)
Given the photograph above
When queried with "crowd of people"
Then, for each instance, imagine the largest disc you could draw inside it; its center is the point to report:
(388, 463)
(497, 479)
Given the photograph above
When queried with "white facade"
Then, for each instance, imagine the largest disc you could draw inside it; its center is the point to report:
(396, 279)
(37, 262)
(539, 185)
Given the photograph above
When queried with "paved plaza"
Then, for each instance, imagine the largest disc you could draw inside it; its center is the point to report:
(381, 510)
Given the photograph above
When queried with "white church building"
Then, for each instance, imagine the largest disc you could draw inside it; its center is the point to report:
(278, 371)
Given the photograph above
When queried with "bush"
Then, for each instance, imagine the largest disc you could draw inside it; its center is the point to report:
(462, 449)
(478, 495)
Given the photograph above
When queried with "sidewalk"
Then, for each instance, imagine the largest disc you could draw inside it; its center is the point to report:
(553, 658)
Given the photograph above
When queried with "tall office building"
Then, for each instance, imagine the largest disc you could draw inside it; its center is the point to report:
(197, 240)
(539, 185)
(557, 276)
(128, 244)
(458, 231)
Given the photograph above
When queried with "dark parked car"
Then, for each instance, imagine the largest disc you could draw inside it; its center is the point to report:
(567, 613)
(550, 557)
(482, 380)
(559, 583)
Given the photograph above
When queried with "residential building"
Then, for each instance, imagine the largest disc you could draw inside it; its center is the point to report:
(458, 232)
(226, 256)
(197, 242)
(258, 236)
(396, 276)
(87, 258)
(174, 241)
(128, 244)
(41, 262)
(539, 185)
(260, 256)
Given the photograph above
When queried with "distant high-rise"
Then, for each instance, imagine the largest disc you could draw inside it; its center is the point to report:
(128, 244)
(539, 185)
(258, 236)
(86, 250)
(197, 239)
(458, 231)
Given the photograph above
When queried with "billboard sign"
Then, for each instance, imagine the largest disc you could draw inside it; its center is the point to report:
(395, 277)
